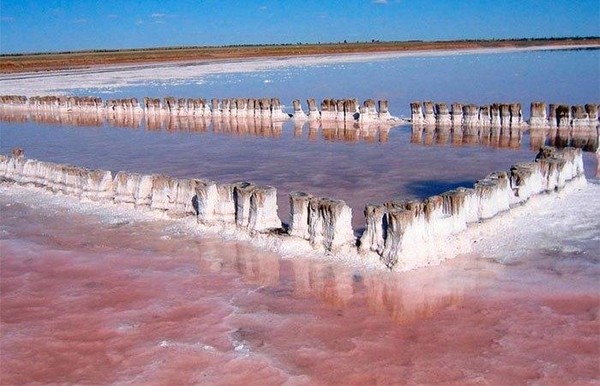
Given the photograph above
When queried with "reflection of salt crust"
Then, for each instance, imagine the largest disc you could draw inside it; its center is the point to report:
(400, 235)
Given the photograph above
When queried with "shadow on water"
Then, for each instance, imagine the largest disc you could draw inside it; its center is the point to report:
(426, 188)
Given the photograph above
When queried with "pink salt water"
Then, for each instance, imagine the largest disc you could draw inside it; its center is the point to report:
(93, 295)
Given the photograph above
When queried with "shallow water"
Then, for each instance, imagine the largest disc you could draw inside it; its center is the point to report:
(96, 295)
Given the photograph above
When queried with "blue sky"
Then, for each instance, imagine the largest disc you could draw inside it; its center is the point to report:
(60, 25)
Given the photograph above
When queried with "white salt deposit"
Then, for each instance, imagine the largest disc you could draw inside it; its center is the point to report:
(542, 224)
(503, 237)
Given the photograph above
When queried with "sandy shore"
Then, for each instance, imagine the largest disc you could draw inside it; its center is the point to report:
(17, 63)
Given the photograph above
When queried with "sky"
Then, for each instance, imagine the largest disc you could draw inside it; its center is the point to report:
(65, 25)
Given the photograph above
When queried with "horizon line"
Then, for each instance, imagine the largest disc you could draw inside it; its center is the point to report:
(250, 45)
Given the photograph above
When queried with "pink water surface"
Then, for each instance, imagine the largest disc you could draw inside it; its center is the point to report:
(92, 299)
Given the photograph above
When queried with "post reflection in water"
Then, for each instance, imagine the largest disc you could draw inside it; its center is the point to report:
(402, 297)
(585, 138)
(430, 135)
(330, 130)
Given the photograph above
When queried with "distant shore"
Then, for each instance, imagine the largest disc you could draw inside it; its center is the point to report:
(35, 62)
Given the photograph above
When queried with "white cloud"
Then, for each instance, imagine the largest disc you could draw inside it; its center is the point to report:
(380, 1)
(158, 17)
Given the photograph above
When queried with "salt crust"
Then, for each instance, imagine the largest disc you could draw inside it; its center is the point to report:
(489, 238)
(402, 235)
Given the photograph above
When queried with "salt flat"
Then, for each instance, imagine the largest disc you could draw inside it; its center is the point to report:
(110, 77)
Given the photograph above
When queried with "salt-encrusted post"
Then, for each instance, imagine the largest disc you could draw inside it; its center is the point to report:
(429, 113)
(416, 113)
(442, 115)
(457, 114)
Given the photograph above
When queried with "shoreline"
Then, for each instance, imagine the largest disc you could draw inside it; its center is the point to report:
(302, 59)
(61, 82)
(43, 63)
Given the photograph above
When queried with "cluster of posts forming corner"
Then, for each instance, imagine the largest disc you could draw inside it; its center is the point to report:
(401, 234)
(262, 108)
